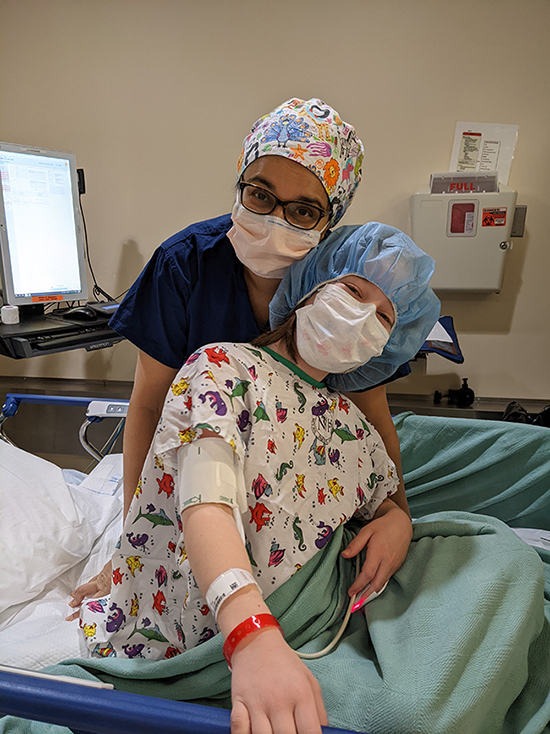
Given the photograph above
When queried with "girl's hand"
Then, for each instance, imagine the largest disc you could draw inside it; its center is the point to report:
(272, 691)
(100, 585)
(387, 538)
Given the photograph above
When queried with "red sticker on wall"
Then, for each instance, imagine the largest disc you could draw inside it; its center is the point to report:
(494, 217)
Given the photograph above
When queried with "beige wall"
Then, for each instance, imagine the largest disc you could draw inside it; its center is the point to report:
(155, 96)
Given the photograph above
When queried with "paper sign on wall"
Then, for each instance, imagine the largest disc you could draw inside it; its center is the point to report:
(480, 146)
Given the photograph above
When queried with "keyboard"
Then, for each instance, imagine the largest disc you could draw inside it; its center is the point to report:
(49, 338)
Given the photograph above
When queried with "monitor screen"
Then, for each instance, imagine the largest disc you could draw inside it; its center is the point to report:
(42, 250)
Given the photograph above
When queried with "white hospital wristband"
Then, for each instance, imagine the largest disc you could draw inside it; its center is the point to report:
(227, 584)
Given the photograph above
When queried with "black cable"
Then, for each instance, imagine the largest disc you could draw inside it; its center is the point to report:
(96, 290)
(122, 294)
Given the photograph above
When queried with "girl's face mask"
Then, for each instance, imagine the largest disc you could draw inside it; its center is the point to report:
(336, 333)
(268, 245)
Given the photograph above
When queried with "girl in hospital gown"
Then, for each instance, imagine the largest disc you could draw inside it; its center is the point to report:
(310, 461)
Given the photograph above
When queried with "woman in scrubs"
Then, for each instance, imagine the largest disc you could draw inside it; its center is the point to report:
(297, 174)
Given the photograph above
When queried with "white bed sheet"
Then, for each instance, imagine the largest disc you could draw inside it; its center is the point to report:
(34, 633)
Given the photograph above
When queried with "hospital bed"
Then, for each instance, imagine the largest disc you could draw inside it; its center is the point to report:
(33, 630)
(485, 470)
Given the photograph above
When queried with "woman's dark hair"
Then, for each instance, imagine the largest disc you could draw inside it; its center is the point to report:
(285, 331)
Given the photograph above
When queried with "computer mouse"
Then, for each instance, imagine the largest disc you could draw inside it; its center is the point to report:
(81, 313)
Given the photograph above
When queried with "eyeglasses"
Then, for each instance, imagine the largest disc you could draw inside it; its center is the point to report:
(297, 213)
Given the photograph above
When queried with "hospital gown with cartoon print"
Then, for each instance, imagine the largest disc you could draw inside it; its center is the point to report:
(310, 461)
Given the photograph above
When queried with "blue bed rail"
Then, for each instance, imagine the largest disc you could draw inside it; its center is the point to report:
(14, 399)
(99, 711)
(96, 410)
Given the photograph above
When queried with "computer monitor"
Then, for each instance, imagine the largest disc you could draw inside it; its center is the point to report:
(41, 245)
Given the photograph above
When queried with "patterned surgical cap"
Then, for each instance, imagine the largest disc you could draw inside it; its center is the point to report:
(312, 134)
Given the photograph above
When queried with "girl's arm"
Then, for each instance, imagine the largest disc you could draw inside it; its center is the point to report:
(271, 689)
(385, 537)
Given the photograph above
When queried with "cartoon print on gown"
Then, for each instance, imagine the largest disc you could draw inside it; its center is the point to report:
(310, 461)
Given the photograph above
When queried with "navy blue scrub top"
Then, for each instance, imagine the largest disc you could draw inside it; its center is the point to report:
(192, 292)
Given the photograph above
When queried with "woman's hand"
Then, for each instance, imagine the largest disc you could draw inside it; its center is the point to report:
(387, 538)
(272, 691)
(100, 585)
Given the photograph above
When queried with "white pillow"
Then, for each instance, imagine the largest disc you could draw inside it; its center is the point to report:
(46, 527)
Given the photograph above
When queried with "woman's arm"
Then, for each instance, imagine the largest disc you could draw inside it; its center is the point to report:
(151, 383)
(374, 404)
(213, 546)
(388, 535)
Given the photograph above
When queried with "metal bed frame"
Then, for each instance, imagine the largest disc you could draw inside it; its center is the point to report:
(86, 706)
(96, 410)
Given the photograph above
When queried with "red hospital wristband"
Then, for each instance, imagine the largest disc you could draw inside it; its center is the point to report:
(242, 630)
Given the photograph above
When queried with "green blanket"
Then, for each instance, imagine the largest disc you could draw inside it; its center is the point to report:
(492, 467)
(458, 642)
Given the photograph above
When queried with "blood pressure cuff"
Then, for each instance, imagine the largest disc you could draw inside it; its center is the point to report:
(209, 471)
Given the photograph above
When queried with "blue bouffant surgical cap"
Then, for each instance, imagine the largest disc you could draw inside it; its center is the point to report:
(389, 259)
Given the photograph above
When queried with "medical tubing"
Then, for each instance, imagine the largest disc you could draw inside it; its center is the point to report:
(338, 635)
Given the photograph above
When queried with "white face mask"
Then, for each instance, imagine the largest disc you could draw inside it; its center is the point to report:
(336, 333)
(268, 245)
